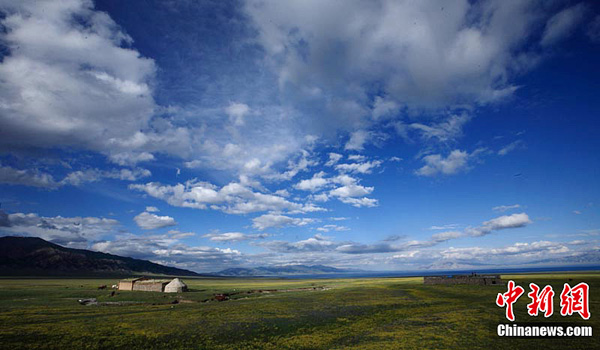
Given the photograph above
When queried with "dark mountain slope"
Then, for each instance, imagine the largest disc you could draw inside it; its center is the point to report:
(35, 256)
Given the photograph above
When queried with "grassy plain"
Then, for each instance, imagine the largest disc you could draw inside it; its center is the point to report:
(369, 313)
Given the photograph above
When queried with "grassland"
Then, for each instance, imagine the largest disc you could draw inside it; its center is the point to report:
(381, 313)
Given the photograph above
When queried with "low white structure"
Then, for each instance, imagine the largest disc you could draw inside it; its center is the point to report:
(176, 286)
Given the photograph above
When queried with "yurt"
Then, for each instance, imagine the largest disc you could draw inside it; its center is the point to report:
(176, 286)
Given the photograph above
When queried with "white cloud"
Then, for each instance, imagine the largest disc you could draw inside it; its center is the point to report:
(234, 198)
(131, 158)
(360, 202)
(444, 227)
(12, 176)
(312, 184)
(36, 178)
(175, 234)
(352, 193)
(237, 111)
(317, 243)
(362, 168)
(356, 248)
(327, 228)
(319, 72)
(353, 190)
(102, 84)
(149, 221)
(444, 131)
(333, 159)
(383, 108)
(193, 164)
(167, 250)
(422, 55)
(233, 236)
(277, 220)
(152, 209)
(500, 223)
(294, 167)
(562, 24)
(445, 236)
(357, 157)
(503, 208)
(69, 231)
(518, 252)
(80, 177)
(457, 161)
(510, 147)
(357, 140)
(321, 197)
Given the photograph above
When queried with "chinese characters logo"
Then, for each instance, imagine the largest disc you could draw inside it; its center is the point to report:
(572, 300)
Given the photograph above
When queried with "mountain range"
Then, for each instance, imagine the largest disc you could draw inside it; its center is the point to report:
(32, 256)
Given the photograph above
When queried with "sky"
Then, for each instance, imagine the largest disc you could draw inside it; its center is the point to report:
(376, 135)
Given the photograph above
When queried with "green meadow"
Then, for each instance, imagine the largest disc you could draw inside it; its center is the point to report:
(368, 313)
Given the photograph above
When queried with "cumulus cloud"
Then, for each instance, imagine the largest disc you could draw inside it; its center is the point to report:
(353, 193)
(352, 190)
(12, 176)
(312, 184)
(234, 198)
(420, 56)
(277, 220)
(500, 223)
(384, 108)
(87, 64)
(80, 177)
(167, 250)
(36, 178)
(69, 231)
(362, 168)
(333, 159)
(318, 243)
(457, 161)
(532, 250)
(149, 221)
(321, 76)
(357, 140)
(237, 111)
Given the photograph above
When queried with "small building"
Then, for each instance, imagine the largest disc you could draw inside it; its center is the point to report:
(127, 284)
(152, 285)
(176, 286)
(473, 279)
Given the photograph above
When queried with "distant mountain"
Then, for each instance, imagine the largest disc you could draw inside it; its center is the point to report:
(35, 256)
(282, 270)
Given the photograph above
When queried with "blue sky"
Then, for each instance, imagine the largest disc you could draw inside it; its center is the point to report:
(384, 135)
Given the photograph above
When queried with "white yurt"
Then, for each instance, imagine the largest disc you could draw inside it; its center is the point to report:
(176, 286)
